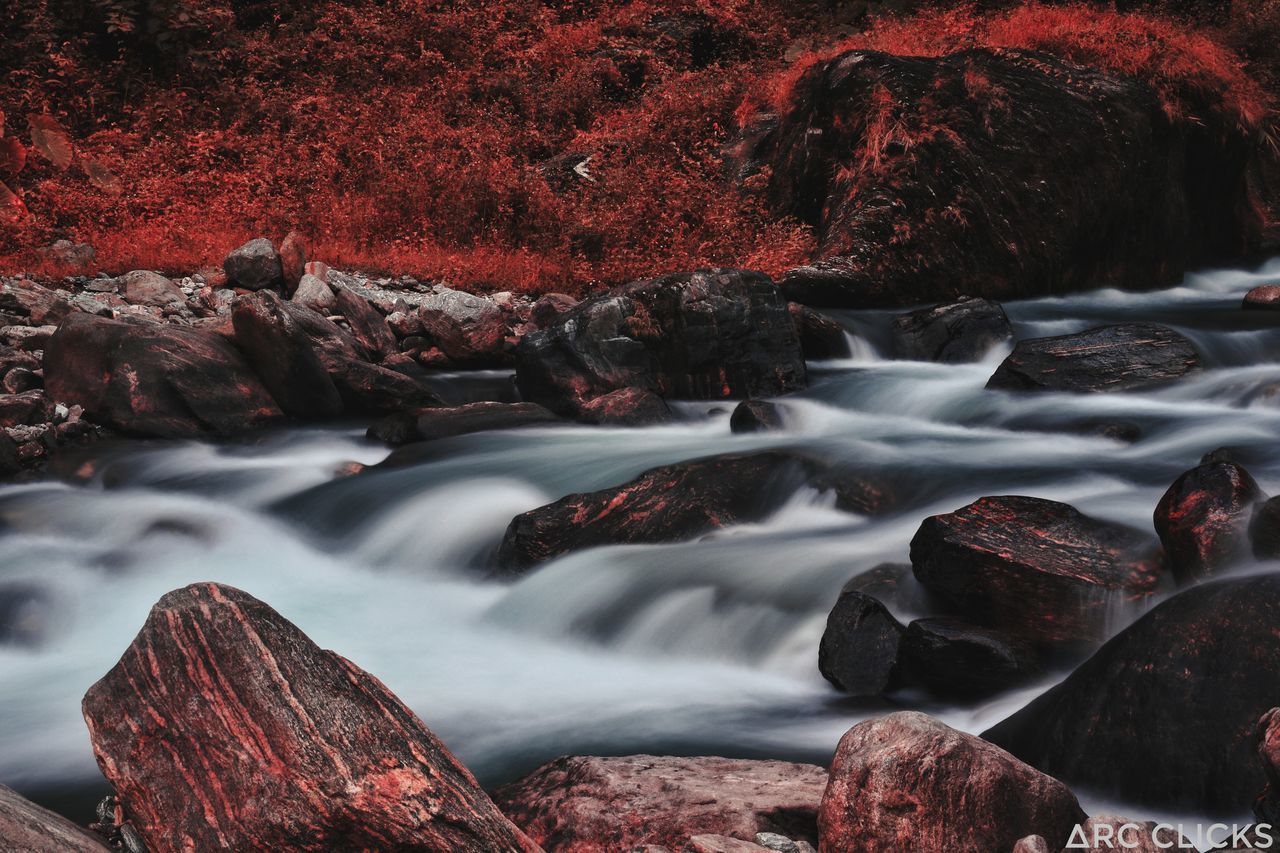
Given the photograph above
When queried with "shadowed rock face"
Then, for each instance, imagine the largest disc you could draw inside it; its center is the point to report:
(1000, 174)
(282, 355)
(952, 334)
(224, 727)
(908, 782)
(860, 645)
(605, 804)
(1164, 714)
(1203, 519)
(1109, 358)
(24, 826)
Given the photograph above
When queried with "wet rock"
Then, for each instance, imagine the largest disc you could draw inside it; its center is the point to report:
(1047, 177)
(626, 407)
(1203, 519)
(906, 781)
(154, 380)
(548, 308)
(955, 333)
(891, 583)
(281, 353)
(368, 326)
(293, 261)
(144, 287)
(721, 844)
(860, 647)
(1164, 714)
(465, 327)
(445, 422)
(1265, 297)
(707, 335)
(29, 407)
(756, 416)
(1264, 530)
(580, 803)
(954, 658)
(821, 337)
(666, 504)
(220, 701)
(254, 266)
(26, 827)
(313, 293)
(1108, 358)
(1038, 569)
(375, 390)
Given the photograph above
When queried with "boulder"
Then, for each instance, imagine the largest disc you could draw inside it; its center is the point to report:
(465, 327)
(548, 308)
(224, 727)
(368, 326)
(707, 335)
(1203, 519)
(954, 333)
(254, 266)
(293, 261)
(372, 389)
(155, 380)
(860, 647)
(1108, 358)
(821, 337)
(756, 416)
(429, 424)
(313, 293)
(1164, 715)
(993, 173)
(1264, 530)
(590, 803)
(144, 287)
(1038, 569)
(281, 353)
(39, 304)
(1265, 297)
(907, 782)
(626, 407)
(957, 659)
(666, 504)
(26, 827)
(892, 583)
(28, 407)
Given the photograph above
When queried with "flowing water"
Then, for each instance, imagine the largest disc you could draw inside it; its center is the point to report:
(705, 647)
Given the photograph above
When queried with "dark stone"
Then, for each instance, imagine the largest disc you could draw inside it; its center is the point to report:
(254, 266)
(1047, 178)
(756, 416)
(955, 333)
(293, 261)
(10, 459)
(953, 658)
(1037, 569)
(224, 727)
(29, 407)
(1203, 519)
(281, 353)
(907, 782)
(626, 407)
(1164, 714)
(860, 647)
(854, 492)
(445, 422)
(1264, 530)
(28, 828)
(1265, 297)
(155, 380)
(821, 338)
(1108, 358)
(368, 326)
(144, 287)
(548, 308)
(706, 335)
(375, 390)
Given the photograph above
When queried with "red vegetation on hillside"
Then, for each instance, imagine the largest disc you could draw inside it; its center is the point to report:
(441, 138)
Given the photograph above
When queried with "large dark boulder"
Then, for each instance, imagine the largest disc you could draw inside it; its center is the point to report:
(280, 352)
(1108, 358)
(598, 804)
(908, 782)
(1203, 519)
(820, 336)
(1037, 569)
(1000, 174)
(954, 333)
(626, 407)
(155, 380)
(1164, 714)
(954, 658)
(224, 727)
(704, 335)
(860, 645)
(368, 326)
(28, 828)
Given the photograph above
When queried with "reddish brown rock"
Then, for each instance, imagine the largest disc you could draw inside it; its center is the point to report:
(155, 380)
(40, 305)
(860, 646)
(466, 327)
(225, 727)
(1203, 519)
(1108, 358)
(820, 336)
(375, 390)
(144, 287)
(954, 333)
(626, 407)
(367, 324)
(1038, 569)
(429, 424)
(254, 266)
(293, 261)
(1265, 297)
(908, 782)
(280, 352)
(27, 407)
(594, 805)
(549, 307)
(953, 658)
(28, 828)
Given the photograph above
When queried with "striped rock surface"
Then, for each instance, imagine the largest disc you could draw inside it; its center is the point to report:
(225, 727)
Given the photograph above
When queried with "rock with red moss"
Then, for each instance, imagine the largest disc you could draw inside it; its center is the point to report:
(224, 727)
(907, 782)
(1203, 519)
(1037, 569)
(466, 328)
(155, 380)
(590, 803)
(1164, 714)
(314, 294)
(367, 324)
(999, 174)
(254, 266)
(293, 261)
(706, 335)
(954, 333)
(1108, 358)
(861, 645)
(281, 353)
(26, 827)
(820, 336)
(626, 407)
(665, 504)
(1265, 297)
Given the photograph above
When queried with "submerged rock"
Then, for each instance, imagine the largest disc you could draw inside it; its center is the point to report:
(28, 828)
(861, 646)
(225, 727)
(1164, 714)
(953, 658)
(589, 803)
(756, 416)
(908, 782)
(1108, 358)
(821, 337)
(1203, 519)
(954, 333)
